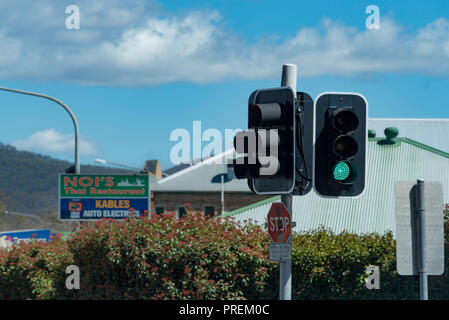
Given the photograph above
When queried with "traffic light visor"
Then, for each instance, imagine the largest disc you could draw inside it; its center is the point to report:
(264, 113)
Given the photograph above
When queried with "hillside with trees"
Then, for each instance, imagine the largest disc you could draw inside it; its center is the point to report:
(29, 181)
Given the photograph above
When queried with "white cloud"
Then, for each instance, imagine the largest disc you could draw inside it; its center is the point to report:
(128, 43)
(51, 141)
(10, 50)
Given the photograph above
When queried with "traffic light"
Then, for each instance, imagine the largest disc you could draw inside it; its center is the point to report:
(340, 144)
(269, 143)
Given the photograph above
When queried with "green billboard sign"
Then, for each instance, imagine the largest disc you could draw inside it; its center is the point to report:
(103, 186)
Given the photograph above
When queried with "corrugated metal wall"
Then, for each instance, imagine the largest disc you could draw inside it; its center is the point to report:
(374, 210)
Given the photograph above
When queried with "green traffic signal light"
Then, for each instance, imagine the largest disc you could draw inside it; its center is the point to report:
(341, 171)
(344, 172)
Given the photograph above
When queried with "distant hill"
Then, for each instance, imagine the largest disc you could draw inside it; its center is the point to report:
(29, 181)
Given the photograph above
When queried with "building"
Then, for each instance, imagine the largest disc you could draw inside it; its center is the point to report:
(374, 211)
(199, 184)
(431, 132)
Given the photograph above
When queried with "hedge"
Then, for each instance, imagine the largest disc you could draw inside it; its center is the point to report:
(197, 257)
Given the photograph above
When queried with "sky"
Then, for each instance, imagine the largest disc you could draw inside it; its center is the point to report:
(134, 71)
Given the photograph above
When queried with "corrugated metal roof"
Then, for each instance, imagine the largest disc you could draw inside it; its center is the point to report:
(373, 211)
(432, 132)
(197, 178)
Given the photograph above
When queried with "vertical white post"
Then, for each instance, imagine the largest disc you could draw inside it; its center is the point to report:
(285, 276)
(289, 74)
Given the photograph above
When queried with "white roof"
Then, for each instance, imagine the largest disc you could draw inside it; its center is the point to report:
(197, 178)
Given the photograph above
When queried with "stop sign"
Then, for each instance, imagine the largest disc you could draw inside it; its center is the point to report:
(279, 222)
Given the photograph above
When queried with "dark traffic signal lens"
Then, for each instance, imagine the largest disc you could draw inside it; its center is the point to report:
(345, 120)
(345, 146)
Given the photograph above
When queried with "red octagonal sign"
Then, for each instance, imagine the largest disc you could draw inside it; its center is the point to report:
(279, 222)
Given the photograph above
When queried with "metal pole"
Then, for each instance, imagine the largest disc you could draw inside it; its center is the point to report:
(285, 290)
(27, 215)
(421, 240)
(289, 74)
(75, 123)
(123, 165)
(285, 276)
(149, 195)
(222, 194)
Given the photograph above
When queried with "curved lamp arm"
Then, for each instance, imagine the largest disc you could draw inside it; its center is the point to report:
(75, 123)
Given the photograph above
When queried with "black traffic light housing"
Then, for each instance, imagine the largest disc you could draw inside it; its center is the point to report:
(269, 144)
(304, 143)
(70, 169)
(340, 144)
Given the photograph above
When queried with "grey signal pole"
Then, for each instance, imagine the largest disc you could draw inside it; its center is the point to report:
(289, 74)
(422, 267)
(75, 123)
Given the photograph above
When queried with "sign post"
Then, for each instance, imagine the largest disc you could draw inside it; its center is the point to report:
(289, 76)
(94, 197)
(420, 210)
(286, 264)
(279, 229)
(419, 230)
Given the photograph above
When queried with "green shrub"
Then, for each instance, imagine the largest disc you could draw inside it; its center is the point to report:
(328, 266)
(34, 270)
(202, 258)
(190, 258)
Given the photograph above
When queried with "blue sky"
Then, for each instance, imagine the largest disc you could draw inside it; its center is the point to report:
(137, 70)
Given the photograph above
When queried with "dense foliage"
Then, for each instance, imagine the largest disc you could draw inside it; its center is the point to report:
(202, 258)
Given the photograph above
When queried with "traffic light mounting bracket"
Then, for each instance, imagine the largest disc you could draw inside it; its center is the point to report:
(304, 141)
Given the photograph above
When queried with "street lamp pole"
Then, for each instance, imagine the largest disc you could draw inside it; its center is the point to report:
(75, 123)
(26, 215)
(222, 194)
(102, 161)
